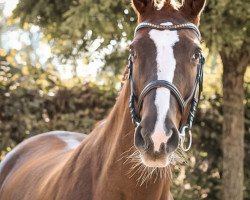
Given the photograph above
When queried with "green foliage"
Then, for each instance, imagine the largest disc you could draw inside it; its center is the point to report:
(225, 26)
(74, 26)
(34, 100)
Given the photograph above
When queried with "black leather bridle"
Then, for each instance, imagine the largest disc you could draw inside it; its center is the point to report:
(194, 97)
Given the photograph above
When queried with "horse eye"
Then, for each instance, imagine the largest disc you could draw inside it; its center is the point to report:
(196, 56)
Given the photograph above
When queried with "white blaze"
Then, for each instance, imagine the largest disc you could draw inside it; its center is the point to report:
(164, 42)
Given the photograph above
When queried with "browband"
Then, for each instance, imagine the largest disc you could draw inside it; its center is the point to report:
(169, 27)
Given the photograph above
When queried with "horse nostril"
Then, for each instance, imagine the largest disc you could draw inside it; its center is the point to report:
(139, 139)
(163, 147)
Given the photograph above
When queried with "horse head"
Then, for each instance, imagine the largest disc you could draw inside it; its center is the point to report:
(165, 72)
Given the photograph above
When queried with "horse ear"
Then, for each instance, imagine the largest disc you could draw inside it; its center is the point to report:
(192, 9)
(140, 6)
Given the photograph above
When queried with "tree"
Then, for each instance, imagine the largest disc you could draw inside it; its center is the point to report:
(226, 27)
(78, 28)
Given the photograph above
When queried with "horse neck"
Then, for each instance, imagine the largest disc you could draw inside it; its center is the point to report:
(117, 134)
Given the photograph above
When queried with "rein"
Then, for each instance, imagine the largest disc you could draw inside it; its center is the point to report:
(194, 97)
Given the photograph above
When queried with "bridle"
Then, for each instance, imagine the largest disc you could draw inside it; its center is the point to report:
(194, 97)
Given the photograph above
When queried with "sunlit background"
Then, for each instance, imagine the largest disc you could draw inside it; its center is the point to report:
(31, 41)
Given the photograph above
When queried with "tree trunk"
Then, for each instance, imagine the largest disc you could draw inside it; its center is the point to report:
(233, 127)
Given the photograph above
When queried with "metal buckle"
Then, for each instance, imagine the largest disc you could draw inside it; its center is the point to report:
(182, 135)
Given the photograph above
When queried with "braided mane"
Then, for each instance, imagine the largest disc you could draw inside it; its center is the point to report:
(124, 77)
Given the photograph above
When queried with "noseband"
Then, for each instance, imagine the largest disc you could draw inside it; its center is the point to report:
(194, 97)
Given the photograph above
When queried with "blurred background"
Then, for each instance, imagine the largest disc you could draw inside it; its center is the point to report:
(61, 66)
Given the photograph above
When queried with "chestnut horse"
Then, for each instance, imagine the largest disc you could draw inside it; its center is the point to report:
(117, 161)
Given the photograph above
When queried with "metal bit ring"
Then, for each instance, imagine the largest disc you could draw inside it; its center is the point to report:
(183, 138)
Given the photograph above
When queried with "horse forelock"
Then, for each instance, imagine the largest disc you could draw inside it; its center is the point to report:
(174, 3)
